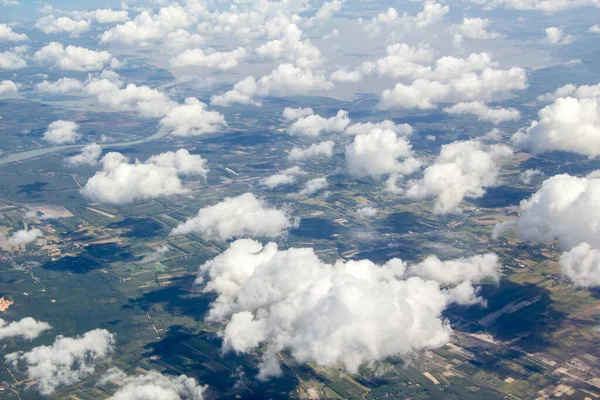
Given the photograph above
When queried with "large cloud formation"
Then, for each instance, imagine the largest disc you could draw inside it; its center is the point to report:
(121, 182)
(154, 385)
(234, 217)
(565, 208)
(67, 361)
(347, 313)
(462, 170)
(27, 328)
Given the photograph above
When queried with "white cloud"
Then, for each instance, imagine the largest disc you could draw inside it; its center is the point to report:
(120, 182)
(102, 16)
(546, 6)
(391, 21)
(7, 34)
(27, 328)
(154, 385)
(285, 80)
(73, 58)
(13, 58)
(485, 113)
(578, 92)
(328, 9)
(61, 132)
(595, 29)
(61, 86)
(555, 36)
(315, 125)
(8, 87)
(292, 114)
(234, 217)
(88, 156)
(528, 175)
(9, 2)
(366, 212)
(378, 153)
(291, 48)
(363, 128)
(50, 24)
(313, 186)
(462, 170)
(343, 314)
(198, 58)
(67, 361)
(475, 29)
(285, 177)
(24, 237)
(569, 124)
(581, 265)
(322, 149)
(474, 269)
(192, 119)
(180, 40)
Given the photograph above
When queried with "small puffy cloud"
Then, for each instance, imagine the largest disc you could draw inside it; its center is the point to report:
(24, 237)
(462, 170)
(8, 87)
(474, 269)
(391, 21)
(314, 125)
(154, 385)
(528, 175)
(475, 29)
(121, 182)
(485, 113)
(50, 24)
(366, 212)
(13, 59)
(285, 177)
(234, 217)
(61, 132)
(285, 80)
(569, 124)
(581, 265)
(313, 186)
(378, 153)
(198, 58)
(291, 48)
(27, 328)
(61, 86)
(192, 119)
(322, 149)
(73, 58)
(595, 29)
(364, 128)
(555, 36)
(88, 156)
(7, 34)
(347, 313)
(293, 114)
(67, 361)
(328, 9)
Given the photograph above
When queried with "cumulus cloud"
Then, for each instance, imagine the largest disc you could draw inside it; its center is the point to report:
(121, 182)
(67, 361)
(292, 114)
(462, 170)
(234, 217)
(313, 186)
(198, 58)
(474, 269)
(363, 128)
(581, 265)
(390, 22)
(13, 59)
(154, 385)
(342, 314)
(50, 24)
(595, 29)
(292, 48)
(528, 175)
(366, 212)
(8, 87)
(322, 149)
(314, 125)
(475, 29)
(27, 328)
(546, 6)
(285, 177)
(88, 156)
(485, 113)
(7, 34)
(285, 80)
(192, 119)
(569, 124)
(102, 16)
(24, 237)
(61, 132)
(555, 36)
(73, 58)
(378, 153)
(61, 86)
